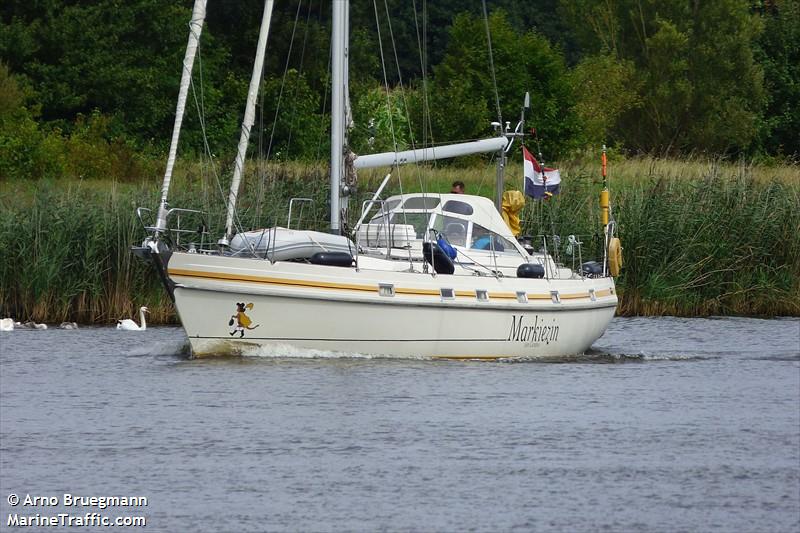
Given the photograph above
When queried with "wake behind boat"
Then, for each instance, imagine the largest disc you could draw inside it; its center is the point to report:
(435, 275)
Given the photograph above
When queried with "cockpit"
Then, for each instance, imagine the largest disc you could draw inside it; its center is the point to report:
(467, 222)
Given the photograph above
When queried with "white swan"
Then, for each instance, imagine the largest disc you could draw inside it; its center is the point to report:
(130, 325)
(30, 324)
(6, 324)
(68, 325)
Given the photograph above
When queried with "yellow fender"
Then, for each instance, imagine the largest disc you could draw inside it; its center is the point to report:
(614, 256)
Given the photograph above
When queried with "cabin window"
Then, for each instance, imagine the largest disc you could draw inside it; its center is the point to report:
(457, 206)
(447, 294)
(482, 295)
(454, 229)
(380, 220)
(421, 202)
(387, 207)
(555, 297)
(522, 297)
(386, 289)
(482, 240)
(418, 220)
(391, 204)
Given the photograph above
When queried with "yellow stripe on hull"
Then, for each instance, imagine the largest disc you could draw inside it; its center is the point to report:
(247, 278)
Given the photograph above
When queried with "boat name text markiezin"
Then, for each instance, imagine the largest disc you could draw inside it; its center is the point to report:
(521, 332)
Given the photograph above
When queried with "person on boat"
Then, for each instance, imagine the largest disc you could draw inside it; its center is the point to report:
(242, 320)
(457, 187)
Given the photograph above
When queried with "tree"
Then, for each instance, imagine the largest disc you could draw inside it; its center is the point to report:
(699, 84)
(292, 123)
(605, 88)
(778, 52)
(20, 137)
(120, 58)
(463, 94)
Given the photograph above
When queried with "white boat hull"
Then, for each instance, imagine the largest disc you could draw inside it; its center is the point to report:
(342, 310)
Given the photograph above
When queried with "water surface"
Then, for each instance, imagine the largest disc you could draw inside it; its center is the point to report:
(667, 425)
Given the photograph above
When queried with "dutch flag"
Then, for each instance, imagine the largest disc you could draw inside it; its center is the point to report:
(540, 182)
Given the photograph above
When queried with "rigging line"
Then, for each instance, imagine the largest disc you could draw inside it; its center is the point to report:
(550, 208)
(202, 120)
(491, 63)
(403, 96)
(305, 35)
(321, 130)
(262, 182)
(260, 169)
(385, 77)
(206, 145)
(206, 199)
(422, 46)
(236, 221)
(391, 121)
(199, 105)
(399, 73)
(324, 107)
(453, 141)
(283, 80)
(421, 67)
(299, 72)
(427, 109)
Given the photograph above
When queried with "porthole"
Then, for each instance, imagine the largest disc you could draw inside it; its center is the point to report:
(386, 289)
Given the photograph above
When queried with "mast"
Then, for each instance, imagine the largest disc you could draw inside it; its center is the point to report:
(338, 68)
(499, 184)
(195, 29)
(249, 119)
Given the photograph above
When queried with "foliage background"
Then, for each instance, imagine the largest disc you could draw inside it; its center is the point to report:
(664, 77)
(88, 88)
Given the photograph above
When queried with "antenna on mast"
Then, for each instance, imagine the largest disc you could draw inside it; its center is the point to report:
(501, 159)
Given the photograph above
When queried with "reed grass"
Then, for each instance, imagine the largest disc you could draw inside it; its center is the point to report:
(700, 237)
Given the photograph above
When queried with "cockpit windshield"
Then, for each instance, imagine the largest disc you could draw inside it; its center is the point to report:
(454, 229)
(418, 220)
(483, 239)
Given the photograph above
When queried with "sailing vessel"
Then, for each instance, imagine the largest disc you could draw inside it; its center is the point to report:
(430, 275)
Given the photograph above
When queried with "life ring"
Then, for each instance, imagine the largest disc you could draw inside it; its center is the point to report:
(614, 256)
